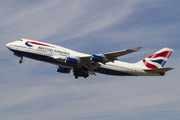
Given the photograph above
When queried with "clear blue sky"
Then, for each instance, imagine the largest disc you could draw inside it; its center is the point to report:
(34, 90)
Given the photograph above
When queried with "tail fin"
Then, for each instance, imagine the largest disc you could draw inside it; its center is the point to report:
(157, 60)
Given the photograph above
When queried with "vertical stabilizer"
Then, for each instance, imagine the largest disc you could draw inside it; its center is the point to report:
(157, 60)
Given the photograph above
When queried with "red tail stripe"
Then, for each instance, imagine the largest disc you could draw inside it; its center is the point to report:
(169, 55)
(150, 56)
(148, 65)
(162, 54)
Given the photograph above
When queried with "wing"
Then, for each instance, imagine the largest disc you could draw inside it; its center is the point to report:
(110, 57)
(90, 64)
(113, 55)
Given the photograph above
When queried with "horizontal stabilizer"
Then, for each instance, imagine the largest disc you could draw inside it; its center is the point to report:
(159, 70)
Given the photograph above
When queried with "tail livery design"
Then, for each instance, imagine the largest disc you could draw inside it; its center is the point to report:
(156, 61)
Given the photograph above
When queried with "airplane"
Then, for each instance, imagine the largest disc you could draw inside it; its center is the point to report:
(84, 65)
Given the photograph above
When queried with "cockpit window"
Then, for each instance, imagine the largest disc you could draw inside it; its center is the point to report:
(20, 40)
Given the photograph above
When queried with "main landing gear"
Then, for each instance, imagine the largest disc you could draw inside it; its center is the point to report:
(20, 61)
(80, 73)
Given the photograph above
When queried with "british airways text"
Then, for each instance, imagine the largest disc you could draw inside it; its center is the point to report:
(52, 50)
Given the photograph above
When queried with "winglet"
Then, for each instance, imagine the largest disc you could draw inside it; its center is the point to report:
(134, 50)
(137, 49)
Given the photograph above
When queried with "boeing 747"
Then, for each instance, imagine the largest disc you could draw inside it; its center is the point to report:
(84, 65)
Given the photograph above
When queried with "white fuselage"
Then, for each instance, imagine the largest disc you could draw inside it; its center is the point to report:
(44, 52)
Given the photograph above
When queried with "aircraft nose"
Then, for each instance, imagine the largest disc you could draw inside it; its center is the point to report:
(7, 45)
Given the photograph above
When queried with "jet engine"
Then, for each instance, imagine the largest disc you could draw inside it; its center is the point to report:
(98, 58)
(73, 61)
(62, 69)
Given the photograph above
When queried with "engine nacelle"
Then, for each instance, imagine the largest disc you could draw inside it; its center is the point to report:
(17, 55)
(72, 60)
(62, 69)
(98, 58)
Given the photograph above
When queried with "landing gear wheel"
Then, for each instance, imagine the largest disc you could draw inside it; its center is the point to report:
(85, 76)
(20, 61)
(76, 77)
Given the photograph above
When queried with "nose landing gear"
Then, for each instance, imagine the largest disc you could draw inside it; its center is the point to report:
(20, 61)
